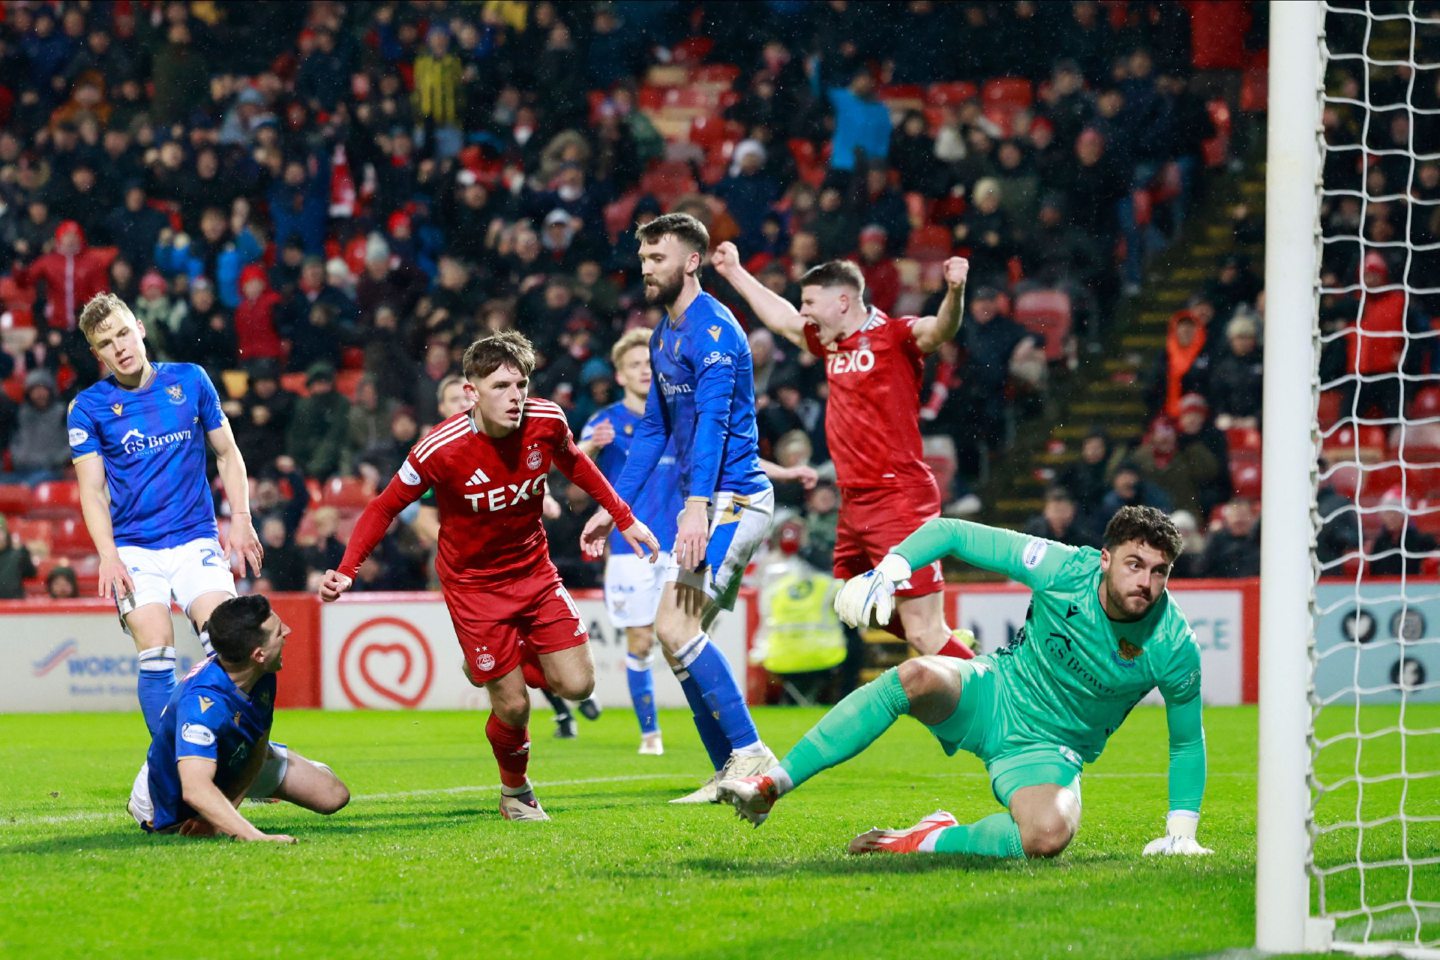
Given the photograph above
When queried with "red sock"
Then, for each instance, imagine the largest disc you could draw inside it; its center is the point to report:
(954, 648)
(512, 750)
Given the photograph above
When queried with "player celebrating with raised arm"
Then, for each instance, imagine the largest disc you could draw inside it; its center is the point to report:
(137, 439)
(488, 468)
(703, 400)
(212, 748)
(873, 364)
(1101, 633)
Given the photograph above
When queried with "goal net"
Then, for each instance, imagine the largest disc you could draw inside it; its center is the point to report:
(1373, 816)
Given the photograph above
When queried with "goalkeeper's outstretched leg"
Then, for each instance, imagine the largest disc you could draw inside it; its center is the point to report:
(955, 699)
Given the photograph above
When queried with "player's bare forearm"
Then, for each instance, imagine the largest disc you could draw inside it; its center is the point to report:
(590, 448)
(197, 783)
(931, 332)
(773, 310)
(95, 504)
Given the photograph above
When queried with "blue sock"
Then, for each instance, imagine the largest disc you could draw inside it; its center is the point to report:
(154, 684)
(642, 692)
(717, 745)
(721, 693)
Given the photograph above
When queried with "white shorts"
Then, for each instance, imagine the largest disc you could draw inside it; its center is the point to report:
(186, 572)
(267, 781)
(633, 586)
(738, 526)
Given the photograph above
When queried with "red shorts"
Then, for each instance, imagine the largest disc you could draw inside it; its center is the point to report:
(873, 522)
(514, 621)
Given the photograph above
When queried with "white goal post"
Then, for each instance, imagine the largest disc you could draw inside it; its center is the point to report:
(1348, 817)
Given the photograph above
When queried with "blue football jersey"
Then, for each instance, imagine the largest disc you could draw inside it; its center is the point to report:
(211, 718)
(152, 441)
(703, 399)
(658, 503)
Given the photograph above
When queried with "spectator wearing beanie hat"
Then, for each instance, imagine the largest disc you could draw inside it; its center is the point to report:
(256, 333)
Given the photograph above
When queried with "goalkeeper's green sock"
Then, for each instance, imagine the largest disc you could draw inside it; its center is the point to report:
(854, 724)
(995, 836)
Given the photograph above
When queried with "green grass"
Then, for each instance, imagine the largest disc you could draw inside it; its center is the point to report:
(420, 865)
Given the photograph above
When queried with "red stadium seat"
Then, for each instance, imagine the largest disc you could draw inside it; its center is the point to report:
(1010, 93)
(71, 537)
(929, 243)
(1243, 438)
(618, 215)
(58, 498)
(901, 96)
(1329, 408)
(651, 98)
(346, 381)
(31, 531)
(1217, 148)
(15, 498)
(1048, 314)
(917, 206)
(711, 133)
(950, 93)
(346, 493)
(1426, 404)
(295, 383)
(1245, 475)
(1348, 444)
(668, 180)
(715, 75)
(692, 50)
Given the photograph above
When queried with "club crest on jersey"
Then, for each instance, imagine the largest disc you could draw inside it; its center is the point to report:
(534, 460)
(714, 333)
(177, 395)
(117, 408)
(1128, 651)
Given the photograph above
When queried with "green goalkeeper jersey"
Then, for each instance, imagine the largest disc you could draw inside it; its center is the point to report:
(1071, 675)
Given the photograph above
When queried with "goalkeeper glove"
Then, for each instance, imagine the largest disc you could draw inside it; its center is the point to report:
(1179, 839)
(870, 598)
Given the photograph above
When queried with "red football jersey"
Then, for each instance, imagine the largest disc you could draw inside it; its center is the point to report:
(872, 423)
(490, 494)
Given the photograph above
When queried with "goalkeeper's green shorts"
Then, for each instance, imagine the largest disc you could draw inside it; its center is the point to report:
(978, 726)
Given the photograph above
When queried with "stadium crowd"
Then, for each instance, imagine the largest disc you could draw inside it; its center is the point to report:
(322, 204)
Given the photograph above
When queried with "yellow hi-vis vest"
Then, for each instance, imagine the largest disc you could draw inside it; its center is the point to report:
(802, 631)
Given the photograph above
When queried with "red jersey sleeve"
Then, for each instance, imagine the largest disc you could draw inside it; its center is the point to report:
(904, 330)
(403, 490)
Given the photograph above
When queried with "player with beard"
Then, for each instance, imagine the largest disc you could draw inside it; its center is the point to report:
(701, 399)
(873, 365)
(1101, 632)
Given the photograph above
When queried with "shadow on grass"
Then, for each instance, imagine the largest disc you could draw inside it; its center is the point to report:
(844, 865)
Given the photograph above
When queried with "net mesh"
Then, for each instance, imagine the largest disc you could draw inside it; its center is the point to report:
(1375, 735)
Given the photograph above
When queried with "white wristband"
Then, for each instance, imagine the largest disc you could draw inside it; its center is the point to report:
(1182, 823)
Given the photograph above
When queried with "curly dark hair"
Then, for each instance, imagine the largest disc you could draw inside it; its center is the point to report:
(1146, 525)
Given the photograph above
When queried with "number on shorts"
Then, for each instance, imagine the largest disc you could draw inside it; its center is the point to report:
(213, 558)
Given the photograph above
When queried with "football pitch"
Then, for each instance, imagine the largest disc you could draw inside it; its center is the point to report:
(421, 865)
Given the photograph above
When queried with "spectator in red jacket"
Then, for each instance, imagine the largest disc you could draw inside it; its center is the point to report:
(255, 330)
(72, 273)
(882, 277)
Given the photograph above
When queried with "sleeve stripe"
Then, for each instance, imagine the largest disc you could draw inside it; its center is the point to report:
(438, 439)
(84, 456)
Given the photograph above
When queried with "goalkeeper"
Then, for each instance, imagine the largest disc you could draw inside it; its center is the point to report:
(1100, 633)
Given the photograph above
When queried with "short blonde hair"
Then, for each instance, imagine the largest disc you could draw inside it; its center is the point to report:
(100, 308)
(636, 337)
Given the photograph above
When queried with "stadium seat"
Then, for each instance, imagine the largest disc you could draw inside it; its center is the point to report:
(347, 380)
(929, 243)
(939, 454)
(1243, 438)
(1418, 443)
(1426, 404)
(57, 498)
(1011, 93)
(950, 93)
(1329, 408)
(15, 498)
(651, 98)
(71, 537)
(917, 207)
(1217, 148)
(1245, 475)
(618, 215)
(346, 493)
(668, 180)
(15, 389)
(295, 383)
(715, 75)
(692, 50)
(1048, 314)
(901, 96)
(1365, 444)
(33, 532)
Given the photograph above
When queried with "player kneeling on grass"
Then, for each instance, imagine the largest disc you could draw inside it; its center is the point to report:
(1101, 633)
(212, 746)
